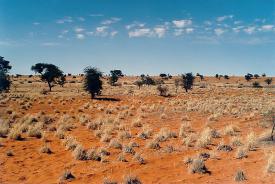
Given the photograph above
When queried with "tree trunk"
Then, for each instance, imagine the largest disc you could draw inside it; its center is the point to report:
(273, 120)
(50, 86)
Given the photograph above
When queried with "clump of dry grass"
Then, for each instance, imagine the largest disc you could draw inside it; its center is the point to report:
(236, 141)
(67, 176)
(79, 153)
(15, 133)
(224, 147)
(93, 125)
(114, 143)
(188, 160)
(124, 135)
(84, 119)
(198, 166)
(128, 149)
(109, 181)
(139, 158)
(35, 131)
(153, 144)
(145, 134)
(45, 149)
(9, 153)
(240, 176)
(270, 168)
(70, 143)
(231, 130)
(241, 153)
(130, 179)
(92, 154)
(187, 141)
(205, 138)
(4, 128)
(105, 138)
(251, 141)
(121, 158)
(165, 134)
(60, 134)
(137, 123)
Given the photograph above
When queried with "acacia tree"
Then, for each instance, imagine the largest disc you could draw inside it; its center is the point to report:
(115, 75)
(92, 82)
(50, 74)
(268, 81)
(187, 81)
(248, 76)
(4, 77)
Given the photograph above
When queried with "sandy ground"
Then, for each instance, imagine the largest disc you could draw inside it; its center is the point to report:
(212, 103)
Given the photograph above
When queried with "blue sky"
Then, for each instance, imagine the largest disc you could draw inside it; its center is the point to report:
(172, 36)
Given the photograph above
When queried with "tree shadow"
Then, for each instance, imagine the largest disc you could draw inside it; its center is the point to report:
(107, 99)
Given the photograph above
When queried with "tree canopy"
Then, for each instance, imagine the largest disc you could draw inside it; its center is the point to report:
(49, 73)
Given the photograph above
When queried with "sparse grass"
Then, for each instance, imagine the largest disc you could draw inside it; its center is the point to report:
(9, 153)
(236, 141)
(67, 176)
(224, 147)
(153, 144)
(205, 138)
(139, 158)
(241, 153)
(239, 176)
(92, 154)
(130, 179)
(231, 130)
(114, 143)
(15, 134)
(121, 158)
(251, 141)
(270, 167)
(45, 149)
(70, 143)
(198, 166)
(4, 128)
(79, 153)
(35, 131)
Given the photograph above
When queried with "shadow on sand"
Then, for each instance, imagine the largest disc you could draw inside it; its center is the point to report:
(107, 99)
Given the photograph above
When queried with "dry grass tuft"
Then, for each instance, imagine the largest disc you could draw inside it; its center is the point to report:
(240, 176)
(198, 166)
(131, 180)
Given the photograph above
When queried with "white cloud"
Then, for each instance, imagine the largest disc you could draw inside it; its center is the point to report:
(101, 31)
(237, 22)
(207, 22)
(222, 18)
(113, 33)
(160, 31)
(219, 31)
(79, 29)
(267, 27)
(178, 32)
(189, 30)
(36, 23)
(65, 20)
(250, 30)
(80, 36)
(135, 24)
(81, 19)
(237, 29)
(111, 21)
(140, 32)
(182, 23)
